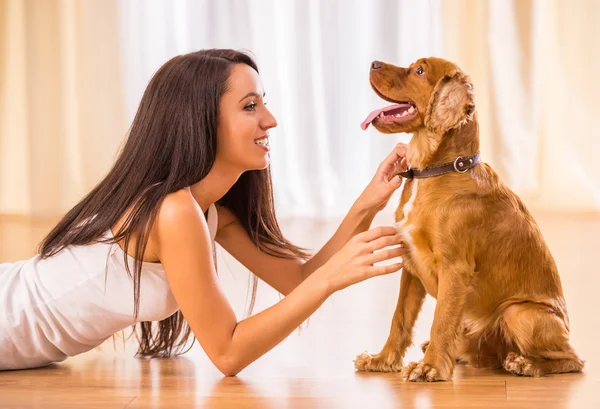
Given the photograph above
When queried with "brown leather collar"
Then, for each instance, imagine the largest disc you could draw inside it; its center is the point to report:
(460, 165)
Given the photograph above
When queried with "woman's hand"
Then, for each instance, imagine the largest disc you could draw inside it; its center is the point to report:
(372, 200)
(355, 261)
(385, 182)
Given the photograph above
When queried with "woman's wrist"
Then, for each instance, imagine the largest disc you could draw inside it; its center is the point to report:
(363, 214)
(321, 282)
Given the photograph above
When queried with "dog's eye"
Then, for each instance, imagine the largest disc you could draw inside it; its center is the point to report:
(420, 71)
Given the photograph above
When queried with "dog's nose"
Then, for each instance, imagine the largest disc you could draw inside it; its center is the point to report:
(375, 65)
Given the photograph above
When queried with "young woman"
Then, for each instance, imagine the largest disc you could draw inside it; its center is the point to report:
(138, 249)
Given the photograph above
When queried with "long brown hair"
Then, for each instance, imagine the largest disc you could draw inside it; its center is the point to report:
(171, 144)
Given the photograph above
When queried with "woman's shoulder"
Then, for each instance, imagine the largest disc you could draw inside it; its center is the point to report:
(179, 207)
(180, 224)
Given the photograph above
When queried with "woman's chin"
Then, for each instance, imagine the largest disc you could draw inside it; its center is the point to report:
(259, 164)
(265, 164)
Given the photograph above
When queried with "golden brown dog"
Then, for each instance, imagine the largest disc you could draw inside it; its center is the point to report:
(472, 243)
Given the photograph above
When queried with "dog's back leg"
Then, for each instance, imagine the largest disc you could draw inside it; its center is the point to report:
(484, 349)
(539, 339)
(410, 302)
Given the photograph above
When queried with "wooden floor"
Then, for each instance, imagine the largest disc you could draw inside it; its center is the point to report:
(313, 368)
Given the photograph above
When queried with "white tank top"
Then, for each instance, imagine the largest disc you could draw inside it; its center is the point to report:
(72, 302)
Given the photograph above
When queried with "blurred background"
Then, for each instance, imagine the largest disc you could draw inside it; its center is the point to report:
(73, 71)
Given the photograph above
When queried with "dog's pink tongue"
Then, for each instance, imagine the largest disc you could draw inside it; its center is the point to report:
(375, 113)
(365, 124)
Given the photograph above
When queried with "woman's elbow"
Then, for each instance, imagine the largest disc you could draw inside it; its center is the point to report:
(227, 371)
(229, 366)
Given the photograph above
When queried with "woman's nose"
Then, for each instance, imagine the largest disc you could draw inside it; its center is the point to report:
(270, 121)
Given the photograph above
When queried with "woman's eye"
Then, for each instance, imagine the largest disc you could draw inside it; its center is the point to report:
(420, 71)
(250, 107)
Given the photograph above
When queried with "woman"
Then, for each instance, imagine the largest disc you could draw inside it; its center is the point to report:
(138, 249)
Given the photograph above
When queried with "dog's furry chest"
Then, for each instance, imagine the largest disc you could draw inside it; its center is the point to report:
(411, 222)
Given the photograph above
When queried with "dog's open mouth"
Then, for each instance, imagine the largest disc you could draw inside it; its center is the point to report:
(397, 113)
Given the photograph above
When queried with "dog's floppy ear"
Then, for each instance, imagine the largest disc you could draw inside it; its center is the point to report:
(451, 104)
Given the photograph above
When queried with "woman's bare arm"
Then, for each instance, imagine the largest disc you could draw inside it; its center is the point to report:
(184, 249)
(285, 274)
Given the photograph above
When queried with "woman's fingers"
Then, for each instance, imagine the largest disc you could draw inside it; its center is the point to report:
(377, 232)
(403, 166)
(384, 241)
(381, 270)
(385, 255)
(392, 162)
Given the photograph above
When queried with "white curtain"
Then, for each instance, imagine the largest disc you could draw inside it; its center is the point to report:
(61, 104)
(72, 73)
(535, 65)
(314, 58)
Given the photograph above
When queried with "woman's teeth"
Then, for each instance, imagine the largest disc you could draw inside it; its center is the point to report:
(262, 141)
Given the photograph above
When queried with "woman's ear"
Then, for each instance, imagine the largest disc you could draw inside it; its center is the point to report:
(451, 104)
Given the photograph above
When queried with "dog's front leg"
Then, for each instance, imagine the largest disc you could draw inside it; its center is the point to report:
(439, 359)
(410, 301)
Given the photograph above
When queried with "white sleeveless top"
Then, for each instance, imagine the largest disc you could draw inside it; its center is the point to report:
(72, 302)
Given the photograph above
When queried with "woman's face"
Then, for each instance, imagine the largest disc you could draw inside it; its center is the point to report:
(244, 122)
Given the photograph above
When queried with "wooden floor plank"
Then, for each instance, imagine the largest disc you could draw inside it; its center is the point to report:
(313, 368)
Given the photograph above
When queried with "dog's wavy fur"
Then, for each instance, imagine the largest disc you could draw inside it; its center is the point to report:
(472, 244)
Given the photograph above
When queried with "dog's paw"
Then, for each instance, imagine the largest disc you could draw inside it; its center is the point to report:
(421, 372)
(459, 360)
(519, 365)
(383, 362)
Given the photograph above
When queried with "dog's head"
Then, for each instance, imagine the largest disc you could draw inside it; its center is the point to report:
(431, 93)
